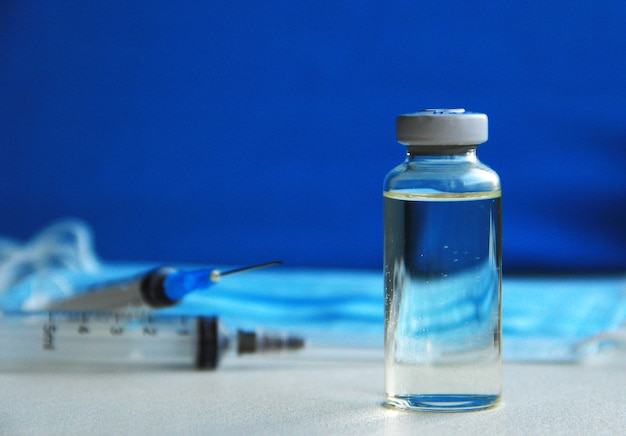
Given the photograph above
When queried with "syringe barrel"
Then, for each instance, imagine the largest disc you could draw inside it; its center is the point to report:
(143, 291)
(51, 338)
(39, 340)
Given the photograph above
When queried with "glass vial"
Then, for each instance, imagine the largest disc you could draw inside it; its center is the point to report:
(442, 267)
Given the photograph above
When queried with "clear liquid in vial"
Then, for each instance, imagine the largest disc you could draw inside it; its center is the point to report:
(442, 300)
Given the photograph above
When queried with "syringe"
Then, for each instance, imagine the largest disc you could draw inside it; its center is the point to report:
(41, 340)
(158, 288)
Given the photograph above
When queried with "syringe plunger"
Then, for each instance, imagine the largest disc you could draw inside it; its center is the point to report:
(213, 342)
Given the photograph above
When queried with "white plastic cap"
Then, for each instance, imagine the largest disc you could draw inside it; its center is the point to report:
(442, 127)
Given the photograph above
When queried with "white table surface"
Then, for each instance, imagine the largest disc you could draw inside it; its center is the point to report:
(315, 391)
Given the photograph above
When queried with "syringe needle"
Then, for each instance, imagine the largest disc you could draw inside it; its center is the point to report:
(216, 274)
(167, 287)
(161, 287)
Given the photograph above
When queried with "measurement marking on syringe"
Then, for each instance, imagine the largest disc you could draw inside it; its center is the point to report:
(116, 329)
(48, 336)
(83, 327)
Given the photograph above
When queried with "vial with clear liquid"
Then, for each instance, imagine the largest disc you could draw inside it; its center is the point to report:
(442, 250)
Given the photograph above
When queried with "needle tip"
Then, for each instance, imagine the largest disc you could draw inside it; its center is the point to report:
(216, 275)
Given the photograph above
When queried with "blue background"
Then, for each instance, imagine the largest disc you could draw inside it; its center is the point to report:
(238, 132)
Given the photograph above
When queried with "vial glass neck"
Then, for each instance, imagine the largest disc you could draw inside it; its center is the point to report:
(457, 152)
